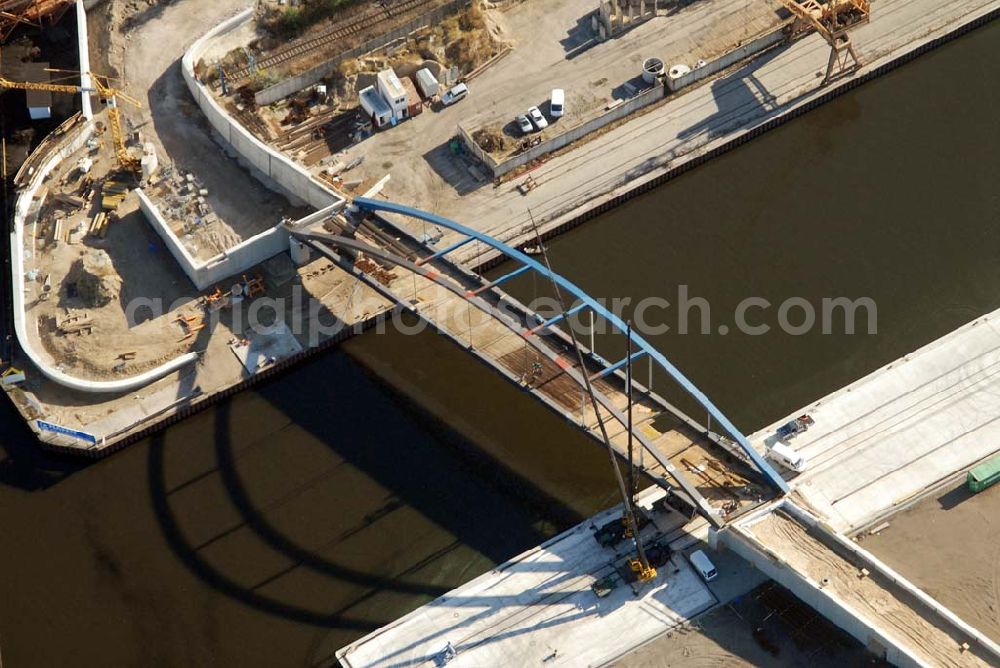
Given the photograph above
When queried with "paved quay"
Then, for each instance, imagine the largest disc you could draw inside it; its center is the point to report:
(699, 120)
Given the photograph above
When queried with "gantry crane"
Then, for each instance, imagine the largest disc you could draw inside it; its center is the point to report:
(107, 93)
(831, 19)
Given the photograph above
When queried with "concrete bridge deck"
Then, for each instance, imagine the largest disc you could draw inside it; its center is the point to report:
(910, 426)
(539, 609)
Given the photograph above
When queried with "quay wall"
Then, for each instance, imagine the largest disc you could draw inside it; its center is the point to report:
(291, 179)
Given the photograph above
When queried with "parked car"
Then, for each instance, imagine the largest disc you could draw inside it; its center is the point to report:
(557, 103)
(524, 124)
(536, 117)
(454, 94)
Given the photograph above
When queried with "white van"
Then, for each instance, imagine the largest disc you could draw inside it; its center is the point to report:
(557, 103)
(704, 565)
(787, 457)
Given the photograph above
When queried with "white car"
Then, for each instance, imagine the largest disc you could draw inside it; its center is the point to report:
(536, 117)
(456, 93)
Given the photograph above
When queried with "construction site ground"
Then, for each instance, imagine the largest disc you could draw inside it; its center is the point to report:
(426, 174)
(142, 43)
(93, 340)
(553, 47)
(882, 603)
(557, 49)
(958, 558)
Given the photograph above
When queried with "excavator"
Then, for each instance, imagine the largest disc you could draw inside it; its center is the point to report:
(108, 94)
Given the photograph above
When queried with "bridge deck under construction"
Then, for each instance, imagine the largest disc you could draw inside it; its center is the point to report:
(670, 447)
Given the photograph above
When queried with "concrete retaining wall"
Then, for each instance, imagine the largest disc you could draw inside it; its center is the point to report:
(234, 261)
(25, 209)
(294, 84)
(273, 168)
(727, 60)
(641, 100)
(83, 43)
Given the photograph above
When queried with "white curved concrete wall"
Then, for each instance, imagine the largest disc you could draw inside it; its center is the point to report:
(293, 179)
(39, 360)
(83, 43)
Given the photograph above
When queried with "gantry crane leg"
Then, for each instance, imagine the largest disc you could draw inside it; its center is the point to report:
(843, 59)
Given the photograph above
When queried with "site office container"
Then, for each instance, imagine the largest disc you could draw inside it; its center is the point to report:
(984, 475)
(414, 107)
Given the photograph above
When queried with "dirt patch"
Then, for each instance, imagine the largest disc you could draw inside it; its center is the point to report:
(92, 279)
(949, 546)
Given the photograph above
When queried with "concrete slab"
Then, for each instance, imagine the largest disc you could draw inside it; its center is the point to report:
(901, 430)
(537, 609)
(265, 348)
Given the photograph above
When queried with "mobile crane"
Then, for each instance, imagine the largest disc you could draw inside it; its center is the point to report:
(108, 94)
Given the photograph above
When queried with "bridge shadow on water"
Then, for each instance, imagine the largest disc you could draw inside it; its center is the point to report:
(478, 509)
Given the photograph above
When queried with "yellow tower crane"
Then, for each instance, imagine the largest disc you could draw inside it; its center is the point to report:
(831, 19)
(107, 93)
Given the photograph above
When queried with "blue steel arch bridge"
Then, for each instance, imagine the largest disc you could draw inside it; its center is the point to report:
(710, 469)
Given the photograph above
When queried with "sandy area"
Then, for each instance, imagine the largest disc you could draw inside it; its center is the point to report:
(142, 41)
(766, 627)
(871, 597)
(927, 541)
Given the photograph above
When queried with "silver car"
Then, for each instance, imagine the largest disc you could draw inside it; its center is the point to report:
(537, 118)
(524, 124)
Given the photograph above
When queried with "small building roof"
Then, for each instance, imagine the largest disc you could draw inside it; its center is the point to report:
(35, 73)
(370, 97)
(392, 83)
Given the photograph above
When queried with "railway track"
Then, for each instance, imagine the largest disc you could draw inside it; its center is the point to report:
(375, 14)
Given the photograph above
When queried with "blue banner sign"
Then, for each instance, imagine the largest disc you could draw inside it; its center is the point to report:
(66, 431)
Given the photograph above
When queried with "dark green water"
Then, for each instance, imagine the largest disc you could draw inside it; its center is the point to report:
(287, 521)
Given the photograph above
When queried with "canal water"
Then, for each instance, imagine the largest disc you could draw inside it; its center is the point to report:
(289, 520)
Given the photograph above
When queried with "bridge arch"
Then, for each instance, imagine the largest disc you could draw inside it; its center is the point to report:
(639, 344)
